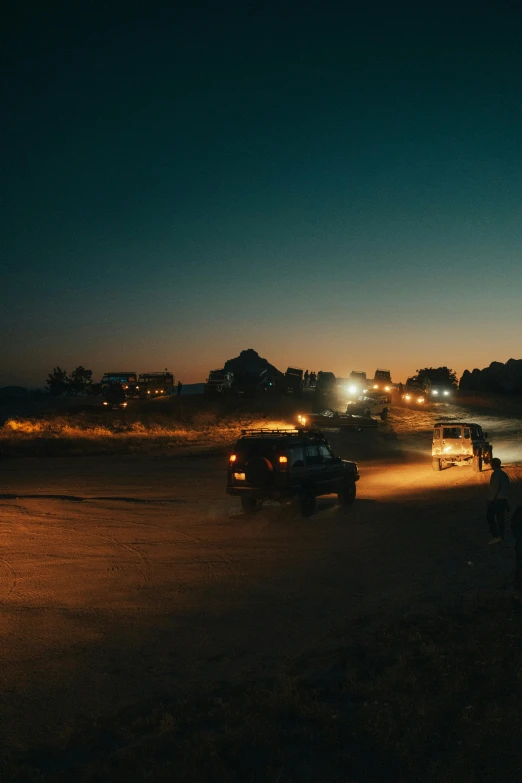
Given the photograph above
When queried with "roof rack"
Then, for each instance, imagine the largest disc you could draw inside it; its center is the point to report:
(291, 432)
(456, 423)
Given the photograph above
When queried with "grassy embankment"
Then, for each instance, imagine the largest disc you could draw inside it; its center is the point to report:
(81, 435)
(141, 428)
(429, 698)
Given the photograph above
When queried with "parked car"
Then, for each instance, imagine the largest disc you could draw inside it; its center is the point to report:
(290, 466)
(371, 405)
(458, 443)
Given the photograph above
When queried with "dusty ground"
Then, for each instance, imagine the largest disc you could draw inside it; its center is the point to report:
(130, 578)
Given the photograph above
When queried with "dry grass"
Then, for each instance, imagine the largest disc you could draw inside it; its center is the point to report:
(90, 434)
(83, 436)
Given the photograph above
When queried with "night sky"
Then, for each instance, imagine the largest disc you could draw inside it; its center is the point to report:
(338, 186)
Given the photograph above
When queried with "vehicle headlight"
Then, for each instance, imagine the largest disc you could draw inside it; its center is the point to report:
(421, 399)
(446, 393)
(105, 403)
(352, 389)
(434, 391)
(407, 397)
(386, 388)
(375, 385)
(301, 419)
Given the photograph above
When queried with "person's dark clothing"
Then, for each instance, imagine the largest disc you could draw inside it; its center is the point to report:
(496, 517)
(498, 495)
(498, 485)
(516, 530)
(180, 386)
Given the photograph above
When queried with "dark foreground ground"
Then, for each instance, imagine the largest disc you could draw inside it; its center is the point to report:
(151, 632)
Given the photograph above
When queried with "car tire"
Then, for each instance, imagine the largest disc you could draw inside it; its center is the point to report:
(477, 463)
(436, 464)
(307, 502)
(249, 504)
(384, 414)
(347, 494)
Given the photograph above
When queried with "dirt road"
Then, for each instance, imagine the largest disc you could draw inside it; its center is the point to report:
(130, 578)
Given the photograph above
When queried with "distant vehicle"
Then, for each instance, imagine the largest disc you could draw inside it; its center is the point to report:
(326, 392)
(416, 391)
(371, 405)
(382, 381)
(357, 383)
(258, 384)
(441, 393)
(155, 384)
(414, 397)
(293, 382)
(330, 419)
(219, 383)
(289, 466)
(128, 380)
(115, 397)
(459, 443)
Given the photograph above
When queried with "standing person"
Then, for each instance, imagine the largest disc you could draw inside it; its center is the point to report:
(180, 386)
(305, 378)
(516, 530)
(498, 504)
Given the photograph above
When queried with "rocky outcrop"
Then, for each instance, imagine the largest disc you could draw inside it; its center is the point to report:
(498, 377)
(250, 363)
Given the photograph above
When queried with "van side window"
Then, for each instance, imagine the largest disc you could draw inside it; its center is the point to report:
(312, 455)
(436, 434)
(296, 458)
(326, 454)
(466, 433)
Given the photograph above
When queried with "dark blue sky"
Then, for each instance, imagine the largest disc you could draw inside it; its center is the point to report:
(337, 186)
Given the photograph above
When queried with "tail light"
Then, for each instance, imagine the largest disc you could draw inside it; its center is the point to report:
(283, 460)
(232, 458)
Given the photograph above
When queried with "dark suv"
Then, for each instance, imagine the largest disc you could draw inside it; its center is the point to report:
(290, 466)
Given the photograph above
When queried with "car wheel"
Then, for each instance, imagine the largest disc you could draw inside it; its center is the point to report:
(384, 414)
(436, 464)
(347, 494)
(307, 503)
(477, 463)
(249, 504)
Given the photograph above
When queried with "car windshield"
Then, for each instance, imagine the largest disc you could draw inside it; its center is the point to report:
(451, 433)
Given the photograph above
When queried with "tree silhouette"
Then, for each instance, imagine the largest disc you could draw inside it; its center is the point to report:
(442, 376)
(80, 380)
(57, 382)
